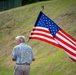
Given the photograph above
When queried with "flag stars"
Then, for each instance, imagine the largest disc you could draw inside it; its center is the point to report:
(46, 22)
(49, 22)
(52, 22)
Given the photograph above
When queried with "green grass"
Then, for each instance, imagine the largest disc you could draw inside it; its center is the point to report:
(50, 60)
(6, 71)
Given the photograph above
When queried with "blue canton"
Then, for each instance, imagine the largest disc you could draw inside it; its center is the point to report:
(44, 21)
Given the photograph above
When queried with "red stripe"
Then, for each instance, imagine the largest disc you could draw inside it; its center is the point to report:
(43, 30)
(73, 59)
(41, 34)
(66, 43)
(68, 36)
(42, 39)
(67, 50)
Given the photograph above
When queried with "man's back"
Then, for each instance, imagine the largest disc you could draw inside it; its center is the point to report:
(23, 53)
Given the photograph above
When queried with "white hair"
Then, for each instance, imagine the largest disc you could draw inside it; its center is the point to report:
(21, 38)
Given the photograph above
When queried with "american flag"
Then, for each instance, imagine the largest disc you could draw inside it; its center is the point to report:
(46, 30)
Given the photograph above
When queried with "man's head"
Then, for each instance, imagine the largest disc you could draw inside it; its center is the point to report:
(20, 39)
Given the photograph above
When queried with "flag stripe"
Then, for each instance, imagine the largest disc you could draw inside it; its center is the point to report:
(44, 39)
(71, 56)
(62, 38)
(68, 37)
(65, 39)
(73, 59)
(66, 44)
(41, 29)
(66, 48)
(43, 34)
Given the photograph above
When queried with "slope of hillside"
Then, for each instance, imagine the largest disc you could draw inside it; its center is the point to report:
(50, 60)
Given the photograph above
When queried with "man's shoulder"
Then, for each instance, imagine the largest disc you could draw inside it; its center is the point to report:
(17, 46)
(29, 46)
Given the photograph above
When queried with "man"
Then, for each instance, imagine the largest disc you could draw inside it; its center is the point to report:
(23, 56)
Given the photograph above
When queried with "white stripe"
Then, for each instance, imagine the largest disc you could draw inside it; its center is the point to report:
(65, 40)
(41, 28)
(68, 37)
(67, 47)
(44, 38)
(73, 57)
(42, 33)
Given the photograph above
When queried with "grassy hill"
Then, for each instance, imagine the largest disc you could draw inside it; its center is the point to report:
(50, 60)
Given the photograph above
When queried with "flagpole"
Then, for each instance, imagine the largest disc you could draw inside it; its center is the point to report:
(42, 7)
(27, 41)
(41, 10)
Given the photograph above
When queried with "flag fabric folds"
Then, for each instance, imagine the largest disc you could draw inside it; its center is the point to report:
(47, 30)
